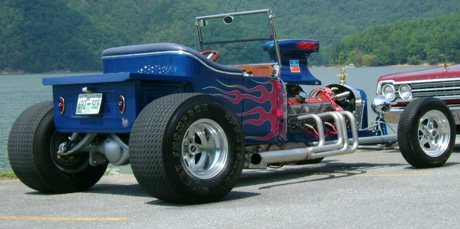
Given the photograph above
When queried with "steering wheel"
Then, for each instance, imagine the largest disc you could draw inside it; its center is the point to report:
(211, 53)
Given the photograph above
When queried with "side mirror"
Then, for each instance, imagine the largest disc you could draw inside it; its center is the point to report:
(228, 20)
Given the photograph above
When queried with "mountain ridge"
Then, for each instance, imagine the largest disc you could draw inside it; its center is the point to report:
(69, 35)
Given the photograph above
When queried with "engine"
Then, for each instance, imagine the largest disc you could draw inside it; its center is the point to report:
(334, 111)
(334, 97)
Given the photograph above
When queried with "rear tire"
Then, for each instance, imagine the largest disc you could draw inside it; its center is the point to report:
(187, 148)
(32, 150)
(426, 133)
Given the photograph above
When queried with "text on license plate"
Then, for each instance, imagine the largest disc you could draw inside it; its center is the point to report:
(89, 103)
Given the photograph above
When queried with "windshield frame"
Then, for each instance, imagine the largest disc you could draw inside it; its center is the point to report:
(200, 22)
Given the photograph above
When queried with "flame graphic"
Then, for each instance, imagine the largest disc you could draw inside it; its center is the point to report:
(307, 45)
(264, 94)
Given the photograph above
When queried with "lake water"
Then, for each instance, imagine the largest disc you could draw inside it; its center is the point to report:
(17, 92)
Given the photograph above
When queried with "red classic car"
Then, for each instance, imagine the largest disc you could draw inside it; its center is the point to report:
(426, 105)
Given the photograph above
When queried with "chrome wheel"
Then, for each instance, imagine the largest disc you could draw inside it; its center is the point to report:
(204, 149)
(434, 133)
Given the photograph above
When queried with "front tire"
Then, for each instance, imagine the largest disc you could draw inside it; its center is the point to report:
(187, 148)
(426, 133)
(32, 150)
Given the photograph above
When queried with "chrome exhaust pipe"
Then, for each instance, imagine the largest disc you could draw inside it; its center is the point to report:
(393, 138)
(341, 146)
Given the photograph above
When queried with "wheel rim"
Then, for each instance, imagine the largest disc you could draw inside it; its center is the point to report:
(69, 164)
(204, 149)
(434, 133)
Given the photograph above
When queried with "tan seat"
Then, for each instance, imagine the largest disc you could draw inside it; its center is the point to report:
(258, 69)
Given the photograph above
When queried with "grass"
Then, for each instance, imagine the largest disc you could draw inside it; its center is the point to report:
(7, 175)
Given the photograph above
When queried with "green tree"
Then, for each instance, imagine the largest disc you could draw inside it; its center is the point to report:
(370, 60)
(355, 57)
(412, 42)
(433, 56)
(341, 60)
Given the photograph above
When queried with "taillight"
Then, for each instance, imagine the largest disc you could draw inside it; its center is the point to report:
(61, 105)
(122, 104)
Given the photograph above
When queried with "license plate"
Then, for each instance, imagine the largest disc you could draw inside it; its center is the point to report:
(89, 103)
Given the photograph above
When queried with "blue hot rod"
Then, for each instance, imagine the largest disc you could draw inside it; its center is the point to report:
(189, 121)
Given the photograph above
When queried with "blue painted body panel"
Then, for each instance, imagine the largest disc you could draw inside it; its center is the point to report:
(155, 74)
(364, 119)
(112, 78)
(138, 94)
(294, 55)
(143, 73)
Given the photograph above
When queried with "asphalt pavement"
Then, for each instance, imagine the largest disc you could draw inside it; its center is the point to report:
(371, 188)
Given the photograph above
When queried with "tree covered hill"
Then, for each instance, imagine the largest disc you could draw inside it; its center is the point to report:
(433, 40)
(69, 35)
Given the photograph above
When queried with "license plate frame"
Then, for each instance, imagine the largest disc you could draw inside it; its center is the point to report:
(89, 104)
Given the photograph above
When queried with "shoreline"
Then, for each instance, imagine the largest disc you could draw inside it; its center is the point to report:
(395, 65)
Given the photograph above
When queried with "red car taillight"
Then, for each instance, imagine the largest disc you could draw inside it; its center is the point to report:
(122, 104)
(61, 105)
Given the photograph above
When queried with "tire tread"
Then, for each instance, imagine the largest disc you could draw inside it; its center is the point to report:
(21, 144)
(145, 151)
